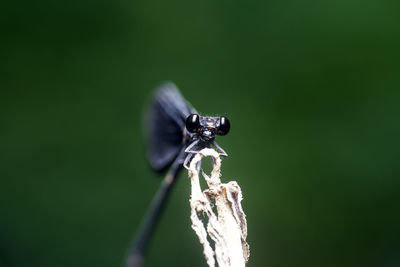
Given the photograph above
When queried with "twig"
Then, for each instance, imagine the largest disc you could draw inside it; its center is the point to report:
(228, 229)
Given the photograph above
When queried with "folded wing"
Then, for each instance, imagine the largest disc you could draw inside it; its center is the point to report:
(164, 125)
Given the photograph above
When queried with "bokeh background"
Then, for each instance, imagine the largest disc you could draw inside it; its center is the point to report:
(311, 89)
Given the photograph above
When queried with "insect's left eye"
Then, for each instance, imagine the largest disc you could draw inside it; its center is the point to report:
(192, 123)
(224, 126)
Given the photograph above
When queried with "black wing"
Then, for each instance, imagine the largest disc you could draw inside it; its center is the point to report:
(164, 125)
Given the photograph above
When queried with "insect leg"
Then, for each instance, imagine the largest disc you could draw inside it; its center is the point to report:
(190, 151)
(190, 147)
(220, 150)
(187, 160)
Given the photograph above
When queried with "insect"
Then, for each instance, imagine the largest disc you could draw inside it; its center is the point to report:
(174, 125)
(175, 132)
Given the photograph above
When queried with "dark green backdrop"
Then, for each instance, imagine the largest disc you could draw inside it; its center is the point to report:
(312, 89)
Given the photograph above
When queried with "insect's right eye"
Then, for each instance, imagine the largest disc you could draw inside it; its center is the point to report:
(193, 123)
(224, 126)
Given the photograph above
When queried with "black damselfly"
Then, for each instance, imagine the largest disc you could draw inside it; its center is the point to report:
(175, 132)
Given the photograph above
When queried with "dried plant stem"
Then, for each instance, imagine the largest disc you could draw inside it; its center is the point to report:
(227, 228)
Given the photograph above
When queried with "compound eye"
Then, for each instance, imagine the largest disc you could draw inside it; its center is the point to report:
(193, 123)
(224, 126)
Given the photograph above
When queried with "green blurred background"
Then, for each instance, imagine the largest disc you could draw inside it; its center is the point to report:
(311, 89)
